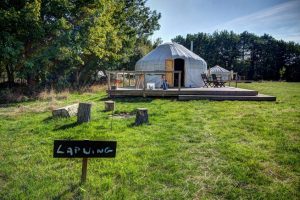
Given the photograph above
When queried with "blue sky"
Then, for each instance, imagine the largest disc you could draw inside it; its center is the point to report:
(279, 18)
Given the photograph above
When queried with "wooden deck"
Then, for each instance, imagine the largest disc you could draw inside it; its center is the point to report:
(224, 93)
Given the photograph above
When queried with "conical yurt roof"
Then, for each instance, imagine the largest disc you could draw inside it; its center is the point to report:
(169, 50)
(218, 69)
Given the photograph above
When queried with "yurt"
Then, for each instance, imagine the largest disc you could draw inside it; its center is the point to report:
(219, 71)
(173, 57)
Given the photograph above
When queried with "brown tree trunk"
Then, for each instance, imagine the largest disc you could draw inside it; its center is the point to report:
(84, 112)
(10, 75)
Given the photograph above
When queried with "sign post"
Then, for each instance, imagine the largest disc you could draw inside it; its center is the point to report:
(84, 149)
(84, 170)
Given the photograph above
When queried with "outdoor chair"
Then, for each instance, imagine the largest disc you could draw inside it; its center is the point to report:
(217, 82)
(206, 81)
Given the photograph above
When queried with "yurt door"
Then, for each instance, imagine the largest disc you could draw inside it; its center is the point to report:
(170, 75)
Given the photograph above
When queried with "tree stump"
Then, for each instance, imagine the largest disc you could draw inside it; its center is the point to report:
(109, 105)
(84, 112)
(141, 116)
(67, 111)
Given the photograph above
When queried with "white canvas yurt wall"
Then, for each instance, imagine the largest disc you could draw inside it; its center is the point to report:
(194, 65)
(219, 71)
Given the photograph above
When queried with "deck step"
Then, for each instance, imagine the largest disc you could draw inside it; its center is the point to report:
(258, 97)
(228, 91)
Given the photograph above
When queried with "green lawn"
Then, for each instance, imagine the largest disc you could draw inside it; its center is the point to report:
(190, 150)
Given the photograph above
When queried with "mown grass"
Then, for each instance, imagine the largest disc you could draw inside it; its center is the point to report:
(190, 150)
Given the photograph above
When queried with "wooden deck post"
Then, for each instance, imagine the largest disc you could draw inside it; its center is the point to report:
(123, 79)
(144, 93)
(179, 80)
(116, 81)
(236, 80)
(129, 79)
(108, 81)
(144, 74)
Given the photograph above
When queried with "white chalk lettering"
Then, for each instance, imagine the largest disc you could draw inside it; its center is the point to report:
(76, 149)
(70, 151)
(108, 150)
(99, 150)
(87, 152)
(59, 151)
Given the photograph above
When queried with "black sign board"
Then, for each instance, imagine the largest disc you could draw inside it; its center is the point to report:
(84, 149)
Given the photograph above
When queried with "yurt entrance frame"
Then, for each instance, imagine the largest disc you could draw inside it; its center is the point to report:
(179, 65)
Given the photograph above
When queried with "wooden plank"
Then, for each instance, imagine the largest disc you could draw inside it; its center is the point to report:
(116, 76)
(145, 83)
(108, 81)
(129, 79)
(259, 97)
(84, 169)
(185, 91)
(123, 79)
(169, 64)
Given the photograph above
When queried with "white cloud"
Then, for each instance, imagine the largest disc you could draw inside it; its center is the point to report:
(281, 21)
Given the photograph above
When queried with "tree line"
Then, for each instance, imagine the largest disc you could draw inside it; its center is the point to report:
(256, 57)
(64, 43)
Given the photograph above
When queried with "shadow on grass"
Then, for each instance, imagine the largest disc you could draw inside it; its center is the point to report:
(48, 119)
(104, 99)
(74, 189)
(67, 126)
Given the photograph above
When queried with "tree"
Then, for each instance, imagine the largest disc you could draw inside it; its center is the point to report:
(248, 54)
(63, 42)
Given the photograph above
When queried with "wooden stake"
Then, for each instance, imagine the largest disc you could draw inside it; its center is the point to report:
(84, 170)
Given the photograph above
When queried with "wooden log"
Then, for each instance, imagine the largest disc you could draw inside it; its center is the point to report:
(84, 112)
(141, 116)
(67, 111)
(109, 105)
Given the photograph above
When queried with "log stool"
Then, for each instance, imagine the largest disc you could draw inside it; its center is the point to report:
(141, 116)
(84, 112)
(109, 105)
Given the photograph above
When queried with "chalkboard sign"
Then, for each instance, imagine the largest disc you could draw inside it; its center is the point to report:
(84, 149)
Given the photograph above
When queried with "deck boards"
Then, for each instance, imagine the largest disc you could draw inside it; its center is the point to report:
(184, 91)
(224, 93)
(259, 97)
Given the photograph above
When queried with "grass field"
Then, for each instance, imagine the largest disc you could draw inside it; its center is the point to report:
(190, 150)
